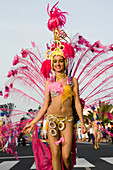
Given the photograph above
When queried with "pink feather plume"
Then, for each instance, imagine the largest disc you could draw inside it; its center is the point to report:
(1, 93)
(57, 18)
(46, 68)
(68, 51)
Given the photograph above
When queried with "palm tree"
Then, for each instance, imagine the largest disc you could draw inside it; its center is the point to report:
(103, 111)
(10, 107)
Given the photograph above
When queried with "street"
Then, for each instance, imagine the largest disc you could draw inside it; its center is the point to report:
(87, 158)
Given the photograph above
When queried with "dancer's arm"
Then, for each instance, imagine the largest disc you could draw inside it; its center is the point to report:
(78, 104)
(44, 107)
(41, 112)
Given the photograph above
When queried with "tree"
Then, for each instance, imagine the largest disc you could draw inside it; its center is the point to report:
(103, 111)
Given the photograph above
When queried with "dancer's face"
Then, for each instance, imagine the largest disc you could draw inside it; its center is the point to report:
(58, 63)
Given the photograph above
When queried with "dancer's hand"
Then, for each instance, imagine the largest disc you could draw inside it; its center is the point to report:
(84, 129)
(28, 128)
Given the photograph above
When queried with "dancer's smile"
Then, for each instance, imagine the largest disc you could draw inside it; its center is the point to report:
(58, 63)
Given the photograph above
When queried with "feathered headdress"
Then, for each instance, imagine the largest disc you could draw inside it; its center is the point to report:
(62, 43)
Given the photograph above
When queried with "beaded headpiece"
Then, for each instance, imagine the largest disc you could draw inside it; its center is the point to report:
(62, 43)
(58, 47)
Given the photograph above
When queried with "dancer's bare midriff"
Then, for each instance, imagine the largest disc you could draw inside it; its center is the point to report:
(58, 109)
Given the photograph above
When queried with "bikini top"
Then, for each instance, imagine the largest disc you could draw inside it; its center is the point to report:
(56, 88)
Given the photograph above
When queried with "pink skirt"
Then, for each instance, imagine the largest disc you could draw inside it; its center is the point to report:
(42, 152)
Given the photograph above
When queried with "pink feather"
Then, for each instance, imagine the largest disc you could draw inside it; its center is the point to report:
(16, 60)
(33, 44)
(68, 51)
(57, 18)
(55, 87)
(6, 89)
(24, 53)
(1, 94)
(46, 68)
(9, 151)
(6, 95)
(15, 154)
(61, 140)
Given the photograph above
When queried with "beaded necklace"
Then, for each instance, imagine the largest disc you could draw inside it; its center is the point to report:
(62, 75)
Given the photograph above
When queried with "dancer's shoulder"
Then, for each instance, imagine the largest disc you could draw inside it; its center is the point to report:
(74, 81)
(47, 82)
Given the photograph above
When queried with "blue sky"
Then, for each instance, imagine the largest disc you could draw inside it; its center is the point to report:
(23, 21)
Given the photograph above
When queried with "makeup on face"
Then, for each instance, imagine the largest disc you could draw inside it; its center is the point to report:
(58, 62)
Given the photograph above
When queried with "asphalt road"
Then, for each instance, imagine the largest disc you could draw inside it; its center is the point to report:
(87, 158)
(100, 159)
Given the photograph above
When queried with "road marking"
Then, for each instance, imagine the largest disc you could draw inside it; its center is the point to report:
(6, 165)
(81, 162)
(12, 157)
(87, 168)
(33, 166)
(108, 159)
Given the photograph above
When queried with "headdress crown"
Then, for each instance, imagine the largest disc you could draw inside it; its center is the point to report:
(62, 43)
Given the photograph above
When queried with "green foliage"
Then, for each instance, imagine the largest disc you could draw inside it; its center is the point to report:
(103, 111)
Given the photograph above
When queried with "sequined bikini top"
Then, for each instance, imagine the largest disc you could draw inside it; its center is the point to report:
(56, 88)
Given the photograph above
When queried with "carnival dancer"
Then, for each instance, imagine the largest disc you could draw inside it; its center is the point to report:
(59, 89)
(65, 58)
(96, 131)
(2, 140)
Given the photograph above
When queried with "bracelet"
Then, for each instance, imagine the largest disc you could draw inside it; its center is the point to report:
(33, 122)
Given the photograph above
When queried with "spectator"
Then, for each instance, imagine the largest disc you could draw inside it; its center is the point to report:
(111, 131)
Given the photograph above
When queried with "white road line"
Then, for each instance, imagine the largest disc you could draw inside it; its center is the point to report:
(81, 162)
(87, 168)
(18, 157)
(6, 165)
(33, 166)
(108, 159)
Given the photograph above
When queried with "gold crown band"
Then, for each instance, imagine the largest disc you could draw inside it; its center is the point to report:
(57, 48)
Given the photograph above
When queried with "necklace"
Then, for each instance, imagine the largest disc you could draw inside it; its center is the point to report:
(62, 75)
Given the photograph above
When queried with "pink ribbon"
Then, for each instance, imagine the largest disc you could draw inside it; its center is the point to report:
(61, 140)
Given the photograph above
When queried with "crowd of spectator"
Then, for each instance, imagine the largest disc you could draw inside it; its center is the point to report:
(24, 139)
(103, 133)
